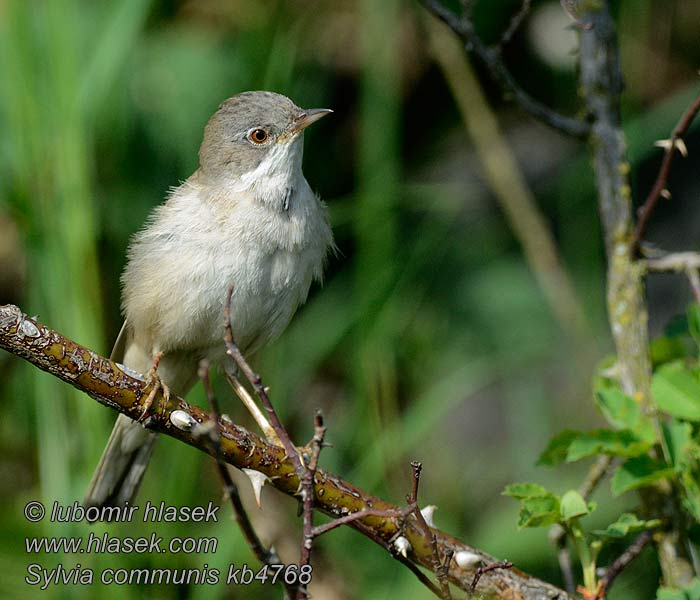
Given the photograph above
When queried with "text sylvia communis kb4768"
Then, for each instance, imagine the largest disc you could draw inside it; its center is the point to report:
(246, 218)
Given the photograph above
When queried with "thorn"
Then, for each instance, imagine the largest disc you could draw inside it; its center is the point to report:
(665, 194)
(665, 144)
(428, 512)
(258, 480)
(402, 546)
(681, 147)
(182, 420)
(467, 560)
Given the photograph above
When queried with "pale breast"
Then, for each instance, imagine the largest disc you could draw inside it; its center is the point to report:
(181, 266)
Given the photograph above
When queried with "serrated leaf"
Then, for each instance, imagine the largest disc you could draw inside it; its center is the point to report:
(626, 524)
(622, 442)
(572, 505)
(525, 490)
(555, 452)
(676, 391)
(539, 511)
(638, 472)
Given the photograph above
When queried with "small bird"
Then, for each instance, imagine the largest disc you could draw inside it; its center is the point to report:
(246, 218)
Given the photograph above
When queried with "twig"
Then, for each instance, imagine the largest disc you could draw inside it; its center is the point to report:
(422, 577)
(516, 21)
(108, 383)
(234, 352)
(622, 561)
(264, 555)
(510, 188)
(362, 514)
(307, 493)
(412, 498)
(566, 568)
(493, 61)
(680, 262)
(482, 570)
(659, 189)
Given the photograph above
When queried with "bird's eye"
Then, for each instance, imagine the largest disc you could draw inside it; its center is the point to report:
(258, 136)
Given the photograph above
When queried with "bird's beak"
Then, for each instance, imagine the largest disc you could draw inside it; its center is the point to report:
(308, 117)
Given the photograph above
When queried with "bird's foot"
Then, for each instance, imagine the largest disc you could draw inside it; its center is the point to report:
(156, 383)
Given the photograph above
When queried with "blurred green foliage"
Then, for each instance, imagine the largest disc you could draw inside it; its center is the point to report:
(430, 339)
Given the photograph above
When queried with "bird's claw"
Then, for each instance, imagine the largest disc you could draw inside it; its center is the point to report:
(156, 383)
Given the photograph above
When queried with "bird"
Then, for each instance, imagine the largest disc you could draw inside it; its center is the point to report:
(246, 218)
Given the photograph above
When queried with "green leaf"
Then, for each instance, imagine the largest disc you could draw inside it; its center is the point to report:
(692, 592)
(677, 436)
(526, 490)
(619, 409)
(676, 391)
(665, 349)
(638, 472)
(626, 524)
(605, 441)
(573, 505)
(556, 451)
(623, 412)
(539, 511)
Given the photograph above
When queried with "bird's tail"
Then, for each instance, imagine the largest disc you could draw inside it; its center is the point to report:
(123, 463)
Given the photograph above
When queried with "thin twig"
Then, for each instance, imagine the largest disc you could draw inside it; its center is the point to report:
(516, 21)
(412, 498)
(482, 570)
(491, 58)
(264, 555)
(234, 352)
(566, 568)
(659, 190)
(679, 262)
(622, 561)
(422, 577)
(361, 514)
(307, 491)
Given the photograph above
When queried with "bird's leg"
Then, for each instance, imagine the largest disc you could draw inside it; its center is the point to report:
(157, 383)
(253, 409)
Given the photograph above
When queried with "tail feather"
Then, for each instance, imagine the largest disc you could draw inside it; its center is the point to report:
(119, 473)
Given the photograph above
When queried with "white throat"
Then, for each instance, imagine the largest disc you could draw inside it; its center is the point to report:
(274, 181)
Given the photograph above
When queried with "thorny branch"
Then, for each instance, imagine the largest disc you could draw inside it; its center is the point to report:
(264, 555)
(117, 387)
(412, 499)
(308, 473)
(492, 59)
(482, 570)
(516, 22)
(671, 146)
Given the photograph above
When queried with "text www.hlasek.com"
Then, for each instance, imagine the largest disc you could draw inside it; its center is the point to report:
(106, 544)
